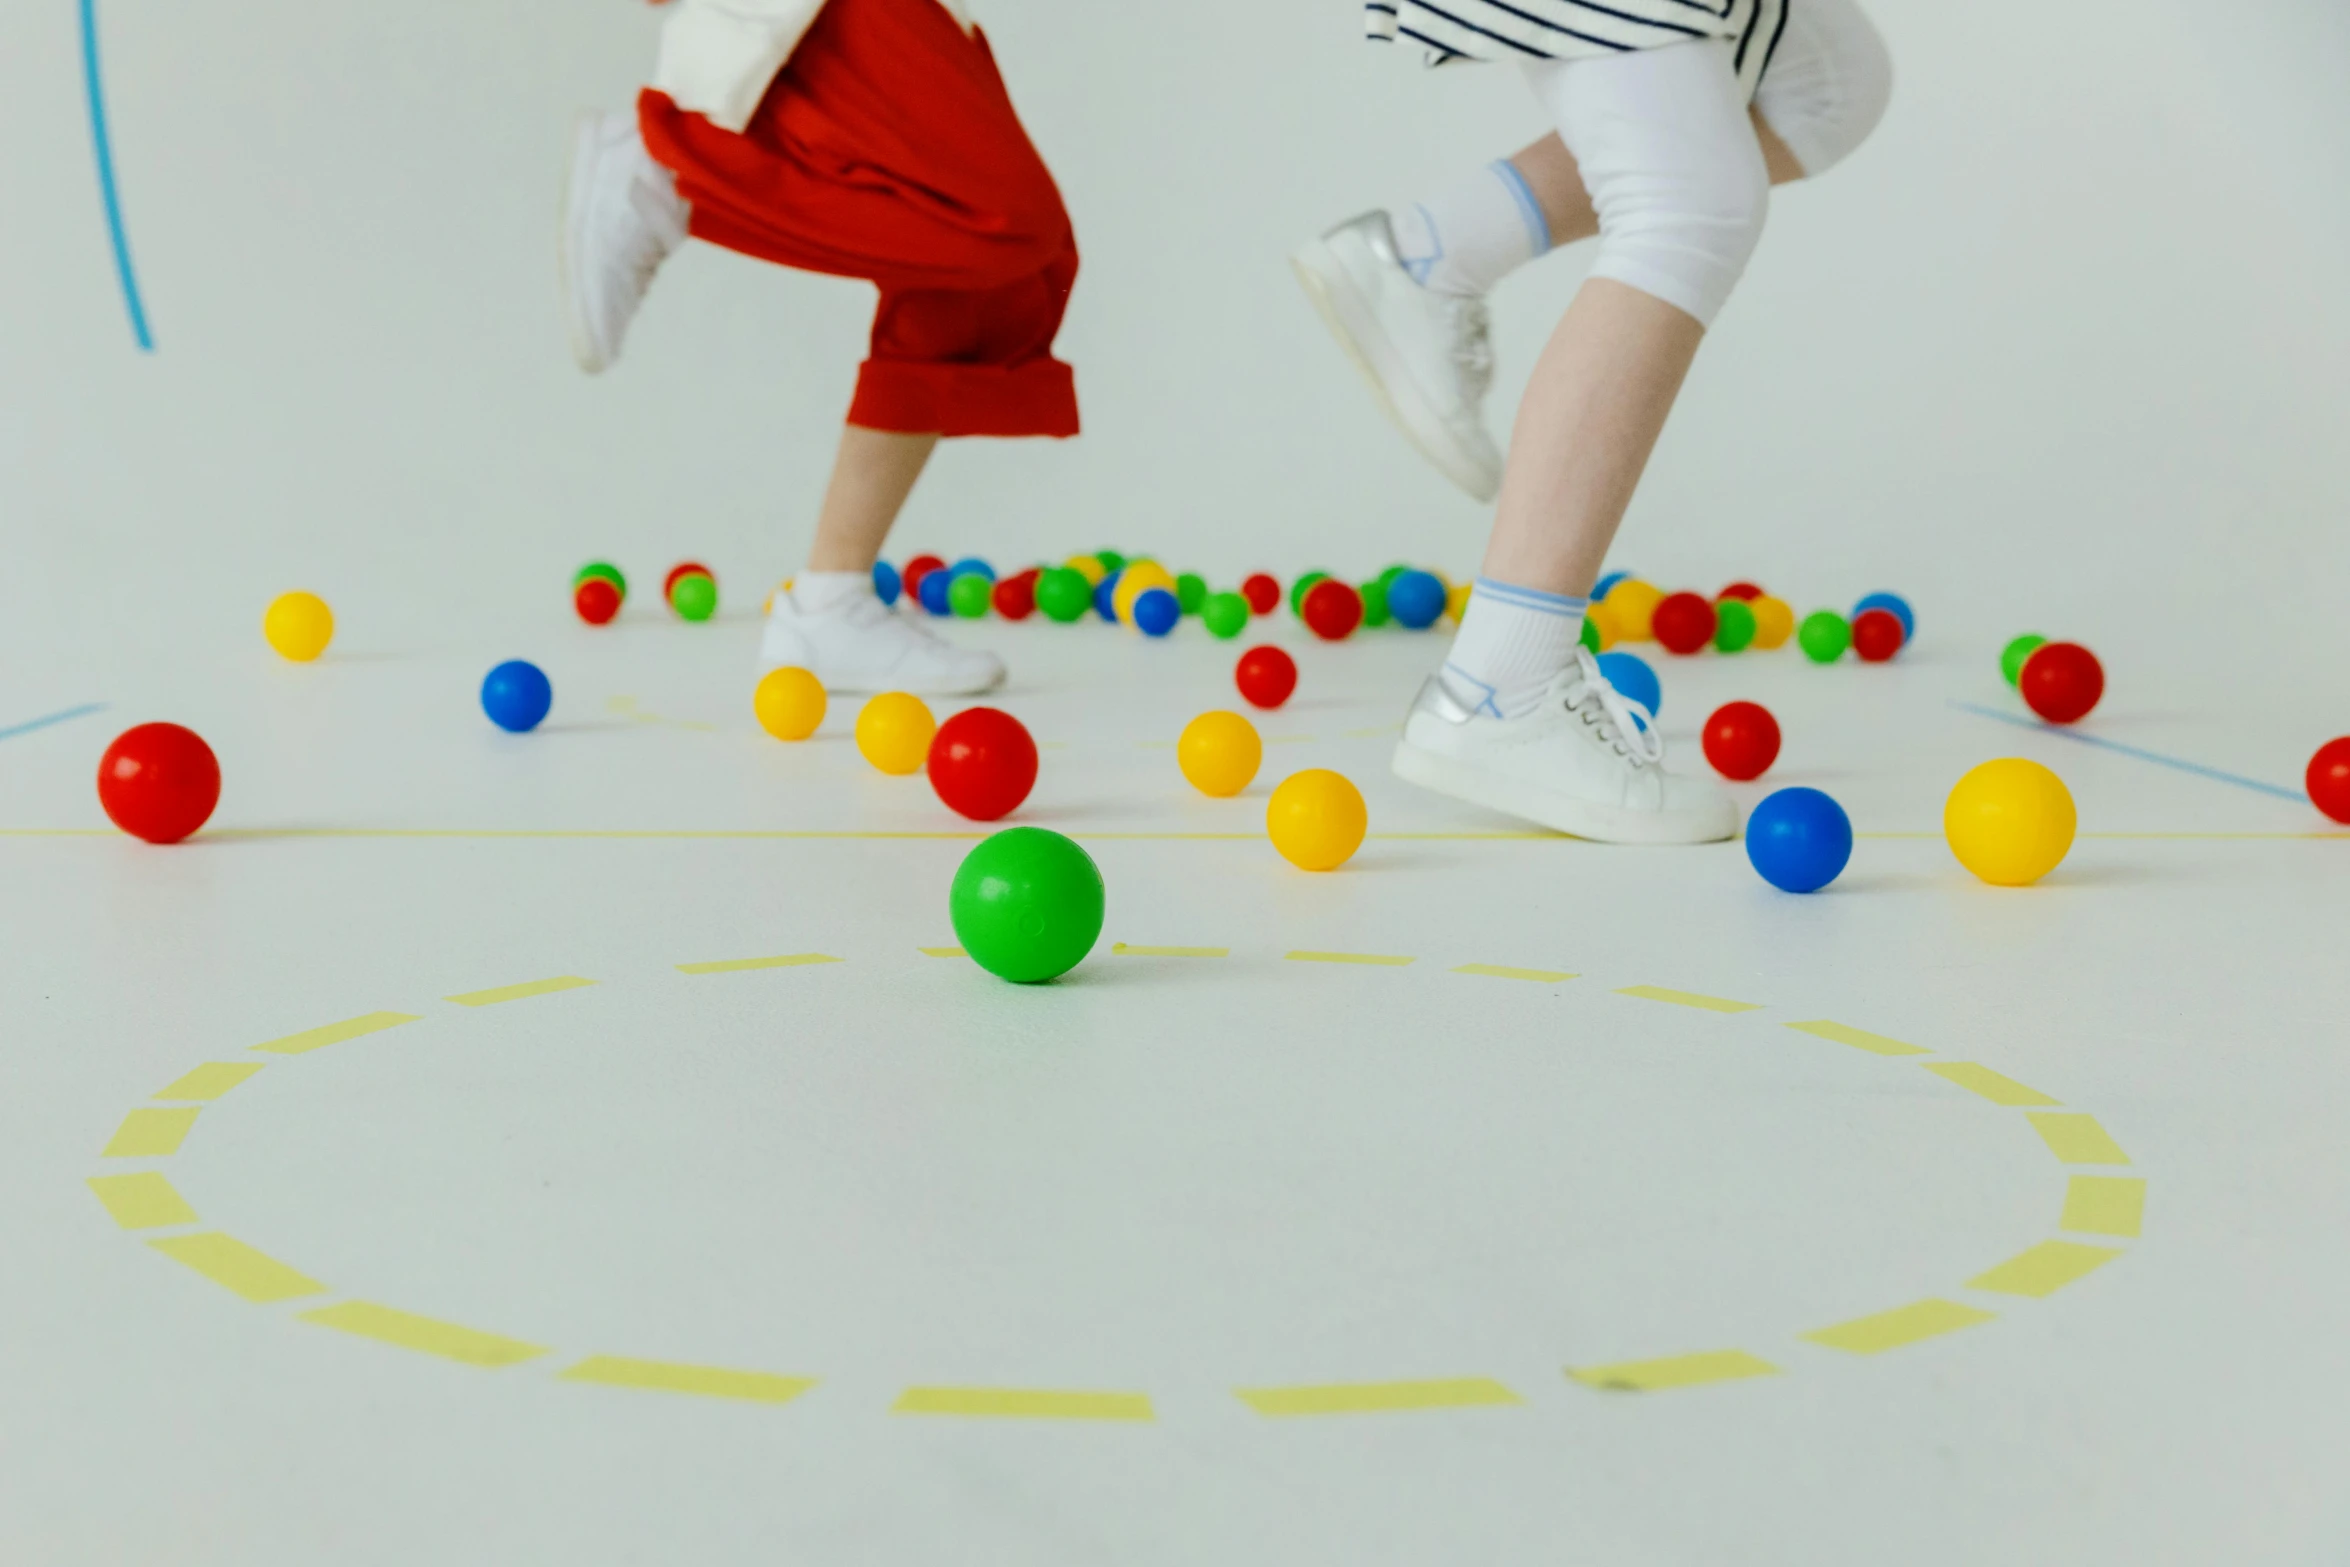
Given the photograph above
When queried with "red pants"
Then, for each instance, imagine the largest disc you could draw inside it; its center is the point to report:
(888, 149)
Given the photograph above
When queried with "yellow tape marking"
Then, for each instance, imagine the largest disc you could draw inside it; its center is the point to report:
(2045, 1269)
(233, 1265)
(2104, 1205)
(1011, 1403)
(2077, 1139)
(742, 965)
(942, 952)
(1372, 958)
(211, 1080)
(1540, 976)
(663, 1376)
(1902, 1325)
(425, 1334)
(336, 1033)
(537, 987)
(1977, 1079)
(142, 1202)
(1685, 998)
(1652, 1376)
(1860, 1039)
(150, 1134)
(1123, 950)
(1368, 1398)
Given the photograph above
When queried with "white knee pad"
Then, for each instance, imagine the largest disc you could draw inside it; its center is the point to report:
(1671, 162)
(1827, 84)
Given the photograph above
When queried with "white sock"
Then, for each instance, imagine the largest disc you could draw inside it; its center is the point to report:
(1511, 643)
(1470, 236)
(817, 592)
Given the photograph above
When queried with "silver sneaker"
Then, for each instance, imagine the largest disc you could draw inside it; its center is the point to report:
(859, 645)
(622, 217)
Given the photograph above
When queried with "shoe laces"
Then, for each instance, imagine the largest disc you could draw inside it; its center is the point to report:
(1472, 346)
(1623, 723)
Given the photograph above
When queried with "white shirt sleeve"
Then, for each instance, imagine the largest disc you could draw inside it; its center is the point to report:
(718, 56)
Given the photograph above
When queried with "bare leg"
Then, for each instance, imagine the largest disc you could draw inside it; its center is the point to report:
(1549, 170)
(871, 479)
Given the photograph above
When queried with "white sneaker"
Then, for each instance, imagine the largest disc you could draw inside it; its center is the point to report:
(859, 645)
(622, 217)
(1577, 763)
(1428, 356)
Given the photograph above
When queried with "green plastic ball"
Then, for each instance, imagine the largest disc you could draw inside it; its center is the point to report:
(601, 568)
(1111, 560)
(1027, 905)
(1374, 593)
(1225, 615)
(1387, 577)
(1064, 594)
(695, 597)
(1590, 637)
(1733, 626)
(1301, 587)
(968, 595)
(1824, 635)
(2012, 656)
(1191, 592)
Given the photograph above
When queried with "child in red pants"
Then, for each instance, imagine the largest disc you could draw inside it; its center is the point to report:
(861, 138)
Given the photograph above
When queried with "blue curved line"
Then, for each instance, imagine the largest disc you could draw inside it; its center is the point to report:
(2143, 755)
(95, 86)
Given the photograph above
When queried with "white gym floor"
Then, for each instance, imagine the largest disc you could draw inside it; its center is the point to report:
(1604, 1206)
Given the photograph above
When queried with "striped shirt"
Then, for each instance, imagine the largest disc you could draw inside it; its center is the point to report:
(1575, 29)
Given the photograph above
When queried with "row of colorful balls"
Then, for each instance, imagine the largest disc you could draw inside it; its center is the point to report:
(1625, 608)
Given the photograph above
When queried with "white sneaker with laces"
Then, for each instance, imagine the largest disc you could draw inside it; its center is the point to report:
(1578, 764)
(858, 645)
(1428, 356)
(622, 217)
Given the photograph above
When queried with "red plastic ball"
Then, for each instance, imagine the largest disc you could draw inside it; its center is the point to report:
(982, 763)
(596, 600)
(1683, 623)
(681, 569)
(1015, 597)
(1266, 676)
(2061, 681)
(159, 782)
(1739, 590)
(1877, 635)
(1332, 610)
(1263, 592)
(910, 579)
(1742, 740)
(2329, 779)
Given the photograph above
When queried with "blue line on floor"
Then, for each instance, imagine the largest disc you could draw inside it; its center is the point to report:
(2156, 757)
(94, 86)
(66, 717)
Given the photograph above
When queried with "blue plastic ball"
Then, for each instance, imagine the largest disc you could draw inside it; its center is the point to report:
(1894, 604)
(1599, 589)
(886, 582)
(971, 566)
(1799, 840)
(1105, 597)
(1415, 599)
(516, 695)
(933, 592)
(1630, 675)
(1155, 612)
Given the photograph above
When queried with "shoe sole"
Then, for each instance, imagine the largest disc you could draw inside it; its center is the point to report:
(1355, 324)
(1576, 818)
(583, 343)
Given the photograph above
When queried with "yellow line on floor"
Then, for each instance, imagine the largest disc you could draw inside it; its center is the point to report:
(743, 965)
(1655, 1376)
(1688, 998)
(1121, 949)
(942, 952)
(2104, 1205)
(149, 1134)
(211, 1080)
(1859, 1039)
(2077, 1139)
(1011, 1403)
(336, 1033)
(145, 1201)
(2045, 1269)
(1540, 976)
(235, 1266)
(1873, 1335)
(664, 1376)
(1369, 959)
(1979, 1079)
(1369, 1398)
(523, 992)
(427, 1335)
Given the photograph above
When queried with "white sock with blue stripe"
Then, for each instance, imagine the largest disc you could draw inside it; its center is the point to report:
(1511, 643)
(1468, 237)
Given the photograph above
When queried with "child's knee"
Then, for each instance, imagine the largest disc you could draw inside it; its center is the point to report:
(1685, 235)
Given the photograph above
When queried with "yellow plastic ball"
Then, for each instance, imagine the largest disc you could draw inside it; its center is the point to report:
(1219, 753)
(789, 703)
(1633, 604)
(1316, 819)
(1089, 568)
(1774, 621)
(1139, 577)
(298, 625)
(1603, 621)
(894, 733)
(1456, 600)
(2011, 821)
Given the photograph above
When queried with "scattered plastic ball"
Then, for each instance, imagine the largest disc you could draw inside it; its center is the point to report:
(1374, 596)
(1589, 636)
(969, 594)
(1824, 636)
(1014, 598)
(1262, 591)
(1112, 561)
(1734, 625)
(1683, 622)
(1220, 753)
(1191, 592)
(2328, 779)
(1064, 594)
(695, 597)
(299, 625)
(894, 731)
(1744, 592)
(1742, 741)
(1156, 612)
(1893, 604)
(1027, 905)
(1456, 600)
(886, 582)
(1090, 568)
(789, 702)
(1415, 599)
(1266, 676)
(1316, 819)
(2011, 821)
(601, 568)
(1138, 578)
(1774, 622)
(596, 601)
(1630, 675)
(678, 573)
(1105, 597)
(159, 782)
(1634, 602)
(973, 566)
(2012, 656)
(2061, 681)
(1225, 615)
(982, 762)
(1332, 610)
(516, 695)
(1602, 626)
(1799, 840)
(1877, 635)
(1302, 586)
(934, 593)
(1606, 584)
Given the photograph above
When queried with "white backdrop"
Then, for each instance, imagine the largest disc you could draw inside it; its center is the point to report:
(2062, 346)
